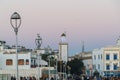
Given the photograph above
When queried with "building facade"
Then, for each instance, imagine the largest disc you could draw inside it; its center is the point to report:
(111, 60)
(106, 60)
(97, 60)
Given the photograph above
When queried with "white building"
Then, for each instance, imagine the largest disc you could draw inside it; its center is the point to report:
(106, 60)
(26, 58)
(8, 59)
(63, 48)
(97, 60)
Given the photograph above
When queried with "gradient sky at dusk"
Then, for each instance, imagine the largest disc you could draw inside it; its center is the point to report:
(96, 22)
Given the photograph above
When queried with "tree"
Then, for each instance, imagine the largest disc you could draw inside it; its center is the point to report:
(76, 66)
(46, 58)
(60, 66)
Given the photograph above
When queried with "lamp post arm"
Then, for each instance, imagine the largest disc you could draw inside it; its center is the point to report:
(19, 23)
(16, 26)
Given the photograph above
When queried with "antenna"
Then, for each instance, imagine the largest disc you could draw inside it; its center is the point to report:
(65, 30)
(83, 46)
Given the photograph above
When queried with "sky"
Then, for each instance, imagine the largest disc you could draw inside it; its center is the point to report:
(96, 22)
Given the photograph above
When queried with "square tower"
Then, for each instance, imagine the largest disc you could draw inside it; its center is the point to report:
(63, 48)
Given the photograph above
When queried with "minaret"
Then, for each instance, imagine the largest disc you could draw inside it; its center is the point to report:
(63, 48)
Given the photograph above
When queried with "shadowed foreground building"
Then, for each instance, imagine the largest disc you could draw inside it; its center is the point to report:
(86, 58)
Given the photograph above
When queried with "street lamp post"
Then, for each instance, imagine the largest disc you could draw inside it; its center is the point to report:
(69, 68)
(56, 68)
(61, 68)
(49, 68)
(38, 42)
(65, 70)
(15, 21)
(56, 63)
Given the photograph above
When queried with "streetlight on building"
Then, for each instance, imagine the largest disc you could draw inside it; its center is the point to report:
(15, 21)
(38, 42)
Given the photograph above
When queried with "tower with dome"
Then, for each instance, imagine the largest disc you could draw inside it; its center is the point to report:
(63, 48)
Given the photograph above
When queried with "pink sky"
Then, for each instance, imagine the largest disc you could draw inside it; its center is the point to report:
(97, 22)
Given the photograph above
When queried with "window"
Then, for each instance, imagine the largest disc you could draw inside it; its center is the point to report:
(98, 56)
(115, 66)
(32, 61)
(98, 66)
(115, 57)
(107, 57)
(107, 67)
(101, 56)
(21, 62)
(94, 66)
(95, 57)
(9, 62)
(27, 61)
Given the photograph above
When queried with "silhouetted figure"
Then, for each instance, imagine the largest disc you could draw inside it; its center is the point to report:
(52, 78)
(14, 78)
(11, 77)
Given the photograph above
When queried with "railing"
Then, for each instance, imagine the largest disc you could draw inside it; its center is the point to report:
(5, 77)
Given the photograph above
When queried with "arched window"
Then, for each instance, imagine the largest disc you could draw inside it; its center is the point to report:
(9, 62)
(107, 56)
(115, 67)
(27, 61)
(115, 56)
(107, 67)
(21, 62)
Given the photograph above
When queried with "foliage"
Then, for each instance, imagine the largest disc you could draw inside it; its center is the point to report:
(76, 66)
(46, 57)
(61, 66)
